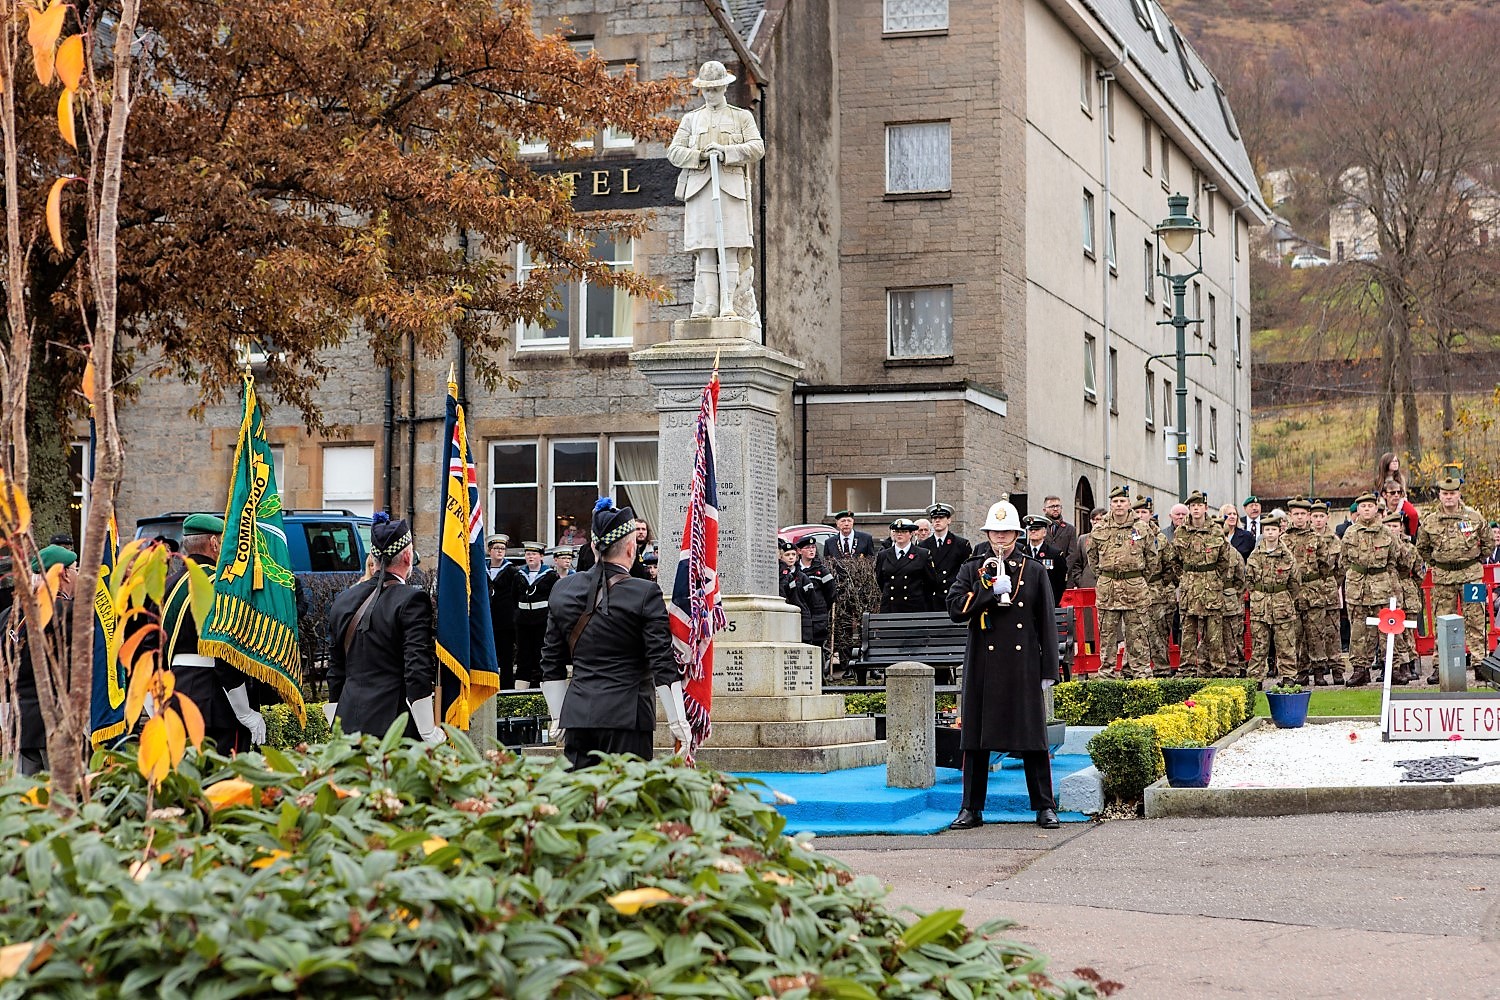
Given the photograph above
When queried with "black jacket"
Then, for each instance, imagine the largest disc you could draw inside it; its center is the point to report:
(204, 685)
(1012, 649)
(1054, 563)
(863, 544)
(907, 583)
(623, 653)
(813, 585)
(1242, 542)
(391, 660)
(947, 558)
(505, 592)
(29, 703)
(531, 600)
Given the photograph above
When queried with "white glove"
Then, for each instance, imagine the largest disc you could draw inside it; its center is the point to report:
(149, 706)
(330, 709)
(1047, 684)
(676, 711)
(421, 714)
(1001, 586)
(555, 692)
(239, 702)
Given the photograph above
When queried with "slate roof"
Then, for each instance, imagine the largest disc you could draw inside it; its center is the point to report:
(744, 13)
(1166, 59)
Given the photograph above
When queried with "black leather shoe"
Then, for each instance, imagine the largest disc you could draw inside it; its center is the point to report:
(1047, 819)
(967, 819)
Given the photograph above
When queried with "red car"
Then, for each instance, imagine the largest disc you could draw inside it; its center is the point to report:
(821, 532)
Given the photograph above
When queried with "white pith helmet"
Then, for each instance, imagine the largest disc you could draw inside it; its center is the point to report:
(1002, 517)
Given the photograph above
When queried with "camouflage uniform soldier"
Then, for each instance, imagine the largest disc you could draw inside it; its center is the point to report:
(1123, 558)
(1322, 598)
(1235, 585)
(1163, 585)
(1409, 572)
(1370, 557)
(1275, 582)
(1206, 559)
(1307, 549)
(1452, 539)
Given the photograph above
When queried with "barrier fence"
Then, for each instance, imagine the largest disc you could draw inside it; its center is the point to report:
(1085, 610)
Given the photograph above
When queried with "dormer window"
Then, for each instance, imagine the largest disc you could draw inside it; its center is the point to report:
(1145, 13)
(1185, 56)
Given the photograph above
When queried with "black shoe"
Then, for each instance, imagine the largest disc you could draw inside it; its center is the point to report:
(1321, 680)
(967, 819)
(1432, 678)
(1047, 819)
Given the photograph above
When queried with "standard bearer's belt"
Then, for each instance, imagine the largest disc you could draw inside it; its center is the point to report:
(532, 606)
(1456, 566)
(1279, 588)
(1117, 574)
(1369, 571)
(1201, 567)
(192, 660)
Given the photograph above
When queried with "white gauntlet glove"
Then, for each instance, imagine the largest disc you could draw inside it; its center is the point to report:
(330, 709)
(555, 692)
(1046, 684)
(421, 714)
(1001, 586)
(676, 711)
(239, 702)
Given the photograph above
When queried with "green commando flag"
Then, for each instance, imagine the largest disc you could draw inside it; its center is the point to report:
(253, 624)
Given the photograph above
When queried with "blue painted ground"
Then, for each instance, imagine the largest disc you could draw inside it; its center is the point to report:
(857, 801)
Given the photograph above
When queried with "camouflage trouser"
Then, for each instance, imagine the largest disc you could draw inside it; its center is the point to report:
(1202, 646)
(1159, 616)
(1445, 598)
(1284, 634)
(1366, 642)
(1318, 645)
(1135, 628)
(1234, 643)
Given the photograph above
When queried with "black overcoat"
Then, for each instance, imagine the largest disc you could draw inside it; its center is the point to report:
(1012, 649)
(947, 558)
(907, 583)
(391, 660)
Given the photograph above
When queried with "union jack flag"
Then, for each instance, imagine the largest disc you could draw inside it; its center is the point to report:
(697, 608)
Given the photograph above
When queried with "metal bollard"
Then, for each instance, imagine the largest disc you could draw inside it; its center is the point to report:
(1451, 655)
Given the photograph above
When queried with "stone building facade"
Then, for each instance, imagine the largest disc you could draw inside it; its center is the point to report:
(923, 257)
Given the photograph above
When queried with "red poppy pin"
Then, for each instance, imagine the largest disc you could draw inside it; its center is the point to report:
(1392, 621)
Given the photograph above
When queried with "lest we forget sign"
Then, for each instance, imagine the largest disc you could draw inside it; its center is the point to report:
(1422, 716)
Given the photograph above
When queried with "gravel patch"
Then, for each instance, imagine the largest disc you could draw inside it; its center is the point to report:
(1338, 754)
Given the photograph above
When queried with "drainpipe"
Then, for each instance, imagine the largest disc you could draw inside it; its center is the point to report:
(1105, 79)
(463, 348)
(411, 436)
(390, 438)
(1234, 319)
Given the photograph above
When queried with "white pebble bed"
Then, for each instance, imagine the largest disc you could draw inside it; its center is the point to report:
(1321, 755)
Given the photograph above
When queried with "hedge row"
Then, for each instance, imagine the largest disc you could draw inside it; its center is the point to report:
(873, 702)
(284, 732)
(1100, 702)
(1128, 751)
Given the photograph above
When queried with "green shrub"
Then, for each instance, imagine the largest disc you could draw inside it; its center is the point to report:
(522, 705)
(383, 867)
(1106, 703)
(1174, 689)
(1142, 697)
(873, 702)
(284, 732)
(1070, 701)
(1125, 753)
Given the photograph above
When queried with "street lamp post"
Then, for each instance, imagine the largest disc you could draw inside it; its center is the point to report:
(1179, 232)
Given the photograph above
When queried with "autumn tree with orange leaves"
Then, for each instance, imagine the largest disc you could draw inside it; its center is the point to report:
(294, 175)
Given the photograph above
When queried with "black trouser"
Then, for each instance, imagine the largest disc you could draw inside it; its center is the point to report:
(229, 739)
(581, 745)
(505, 654)
(32, 761)
(1038, 765)
(529, 654)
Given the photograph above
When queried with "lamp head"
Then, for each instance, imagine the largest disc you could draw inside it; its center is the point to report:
(1179, 229)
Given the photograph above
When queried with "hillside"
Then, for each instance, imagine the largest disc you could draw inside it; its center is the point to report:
(1271, 24)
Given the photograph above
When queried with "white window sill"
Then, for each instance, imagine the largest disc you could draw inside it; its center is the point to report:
(530, 347)
(608, 344)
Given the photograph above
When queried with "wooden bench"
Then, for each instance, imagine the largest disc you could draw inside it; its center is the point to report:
(931, 637)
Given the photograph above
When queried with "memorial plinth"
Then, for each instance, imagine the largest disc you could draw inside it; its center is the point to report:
(769, 710)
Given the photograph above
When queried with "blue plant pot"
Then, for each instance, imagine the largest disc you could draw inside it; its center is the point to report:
(1288, 711)
(1188, 767)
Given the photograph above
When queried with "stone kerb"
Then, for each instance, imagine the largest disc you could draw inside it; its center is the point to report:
(911, 760)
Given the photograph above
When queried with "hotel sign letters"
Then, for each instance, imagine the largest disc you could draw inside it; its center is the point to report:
(618, 184)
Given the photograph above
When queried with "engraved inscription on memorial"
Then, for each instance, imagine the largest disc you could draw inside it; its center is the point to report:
(797, 674)
(732, 665)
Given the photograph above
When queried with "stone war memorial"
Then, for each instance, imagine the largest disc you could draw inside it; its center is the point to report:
(769, 709)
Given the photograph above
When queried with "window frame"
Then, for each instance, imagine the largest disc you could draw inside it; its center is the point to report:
(1112, 244)
(614, 483)
(1090, 368)
(586, 341)
(887, 30)
(1213, 321)
(535, 485)
(575, 334)
(1085, 82)
(1197, 307)
(1168, 397)
(1151, 275)
(1213, 433)
(890, 354)
(1166, 161)
(919, 192)
(1148, 141)
(1150, 400)
(549, 528)
(1089, 224)
(1112, 380)
(1197, 425)
(885, 482)
(348, 501)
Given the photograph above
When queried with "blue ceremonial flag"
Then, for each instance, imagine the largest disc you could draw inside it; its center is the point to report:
(107, 696)
(470, 671)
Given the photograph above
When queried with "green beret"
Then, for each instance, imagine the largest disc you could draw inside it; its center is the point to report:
(52, 555)
(1252, 498)
(840, 515)
(1450, 483)
(202, 524)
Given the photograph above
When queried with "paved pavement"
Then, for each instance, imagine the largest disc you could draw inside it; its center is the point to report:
(1337, 905)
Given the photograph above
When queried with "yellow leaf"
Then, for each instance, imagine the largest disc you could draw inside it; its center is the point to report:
(70, 61)
(140, 869)
(192, 719)
(54, 212)
(353, 793)
(168, 685)
(15, 511)
(65, 119)
(44, 596)
(432, 844)
(633, 901)
(28, 955)
(36, 795)
(176, 736)
(200, 592)
(42, 37)
(140, 686)
(230, 792)
(153, 762)
(88, 384)
(267, 860)
(776, 877)
(124, 559)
